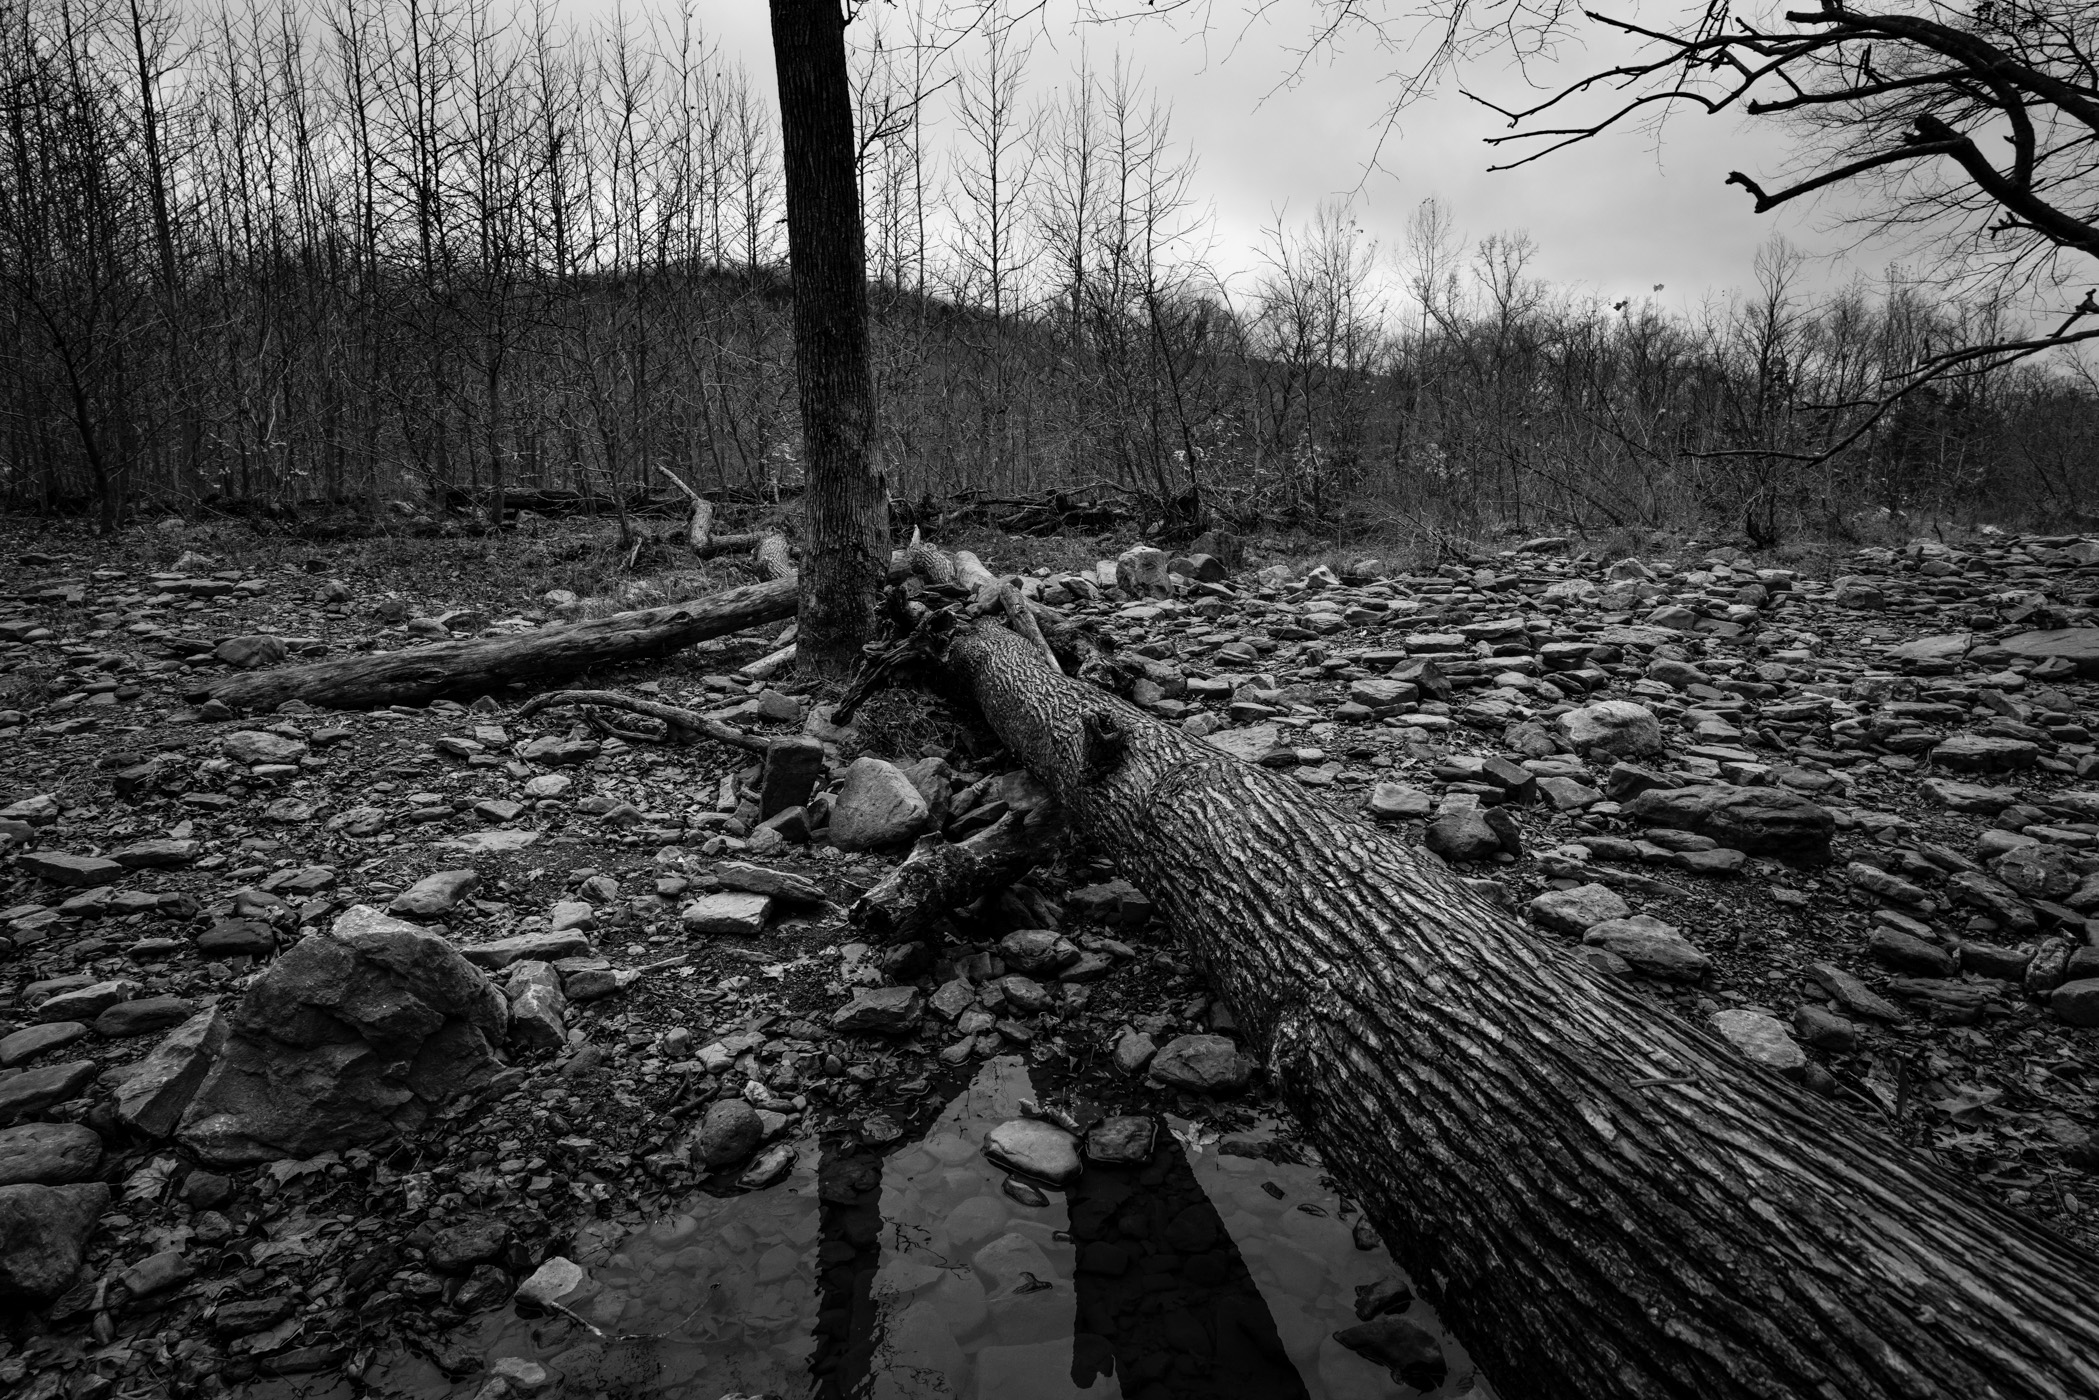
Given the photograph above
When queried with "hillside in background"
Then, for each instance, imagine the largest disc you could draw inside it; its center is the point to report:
(381, 252)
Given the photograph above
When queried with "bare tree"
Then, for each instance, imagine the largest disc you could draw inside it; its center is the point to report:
(846, 540)
(1968, 128)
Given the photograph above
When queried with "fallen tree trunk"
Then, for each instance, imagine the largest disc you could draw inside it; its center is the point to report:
(415, 675)
(1602, 1200)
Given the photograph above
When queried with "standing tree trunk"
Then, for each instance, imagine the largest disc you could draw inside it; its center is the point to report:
(845, 501)
(1602, 1200)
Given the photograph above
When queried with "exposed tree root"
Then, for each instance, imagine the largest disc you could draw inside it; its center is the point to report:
(682, 726)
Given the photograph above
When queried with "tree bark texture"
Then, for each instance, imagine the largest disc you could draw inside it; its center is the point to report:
(846, 519)
(415, 675)
(1603, 1200)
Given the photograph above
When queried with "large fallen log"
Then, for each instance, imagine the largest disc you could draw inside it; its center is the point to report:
(415, 675)
(1602, 1200)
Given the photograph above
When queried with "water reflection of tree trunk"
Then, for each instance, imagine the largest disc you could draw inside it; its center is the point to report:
(1164, 1299)
(849, 1232)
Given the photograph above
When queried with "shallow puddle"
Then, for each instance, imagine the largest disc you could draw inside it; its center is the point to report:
(922, 1270)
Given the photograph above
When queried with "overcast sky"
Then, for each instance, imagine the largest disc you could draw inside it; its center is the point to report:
(1617, 215)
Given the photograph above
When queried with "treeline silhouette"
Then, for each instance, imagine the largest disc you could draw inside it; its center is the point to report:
(359, 250)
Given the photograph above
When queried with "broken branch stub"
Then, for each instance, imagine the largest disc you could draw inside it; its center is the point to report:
(940, 876)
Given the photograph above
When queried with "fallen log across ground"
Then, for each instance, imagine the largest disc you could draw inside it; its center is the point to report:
(1602, 1200)
(415, 675)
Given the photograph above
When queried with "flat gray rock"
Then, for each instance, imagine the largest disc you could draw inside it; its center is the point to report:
(732, 912)
(48, 1154)
(1949, 646)
(484, 843)
(157, 855)
(1976, 798)
(22, 1046)
(2078, 645)
(86, 1003)
(60, 868)
(1761, 1038)
(1985, 753)
(35, 1090)
(887, 1009)
(1653, 948)
(252, 746)
(1578, 910)
(435, 894)
(143, 1016)
(524, 947)
(1759, 820)
(1397, 801)
(1248, 743)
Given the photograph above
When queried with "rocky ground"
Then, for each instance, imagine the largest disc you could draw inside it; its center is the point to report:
(320, 1032)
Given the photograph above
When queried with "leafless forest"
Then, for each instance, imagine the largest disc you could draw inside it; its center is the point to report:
(361, 250)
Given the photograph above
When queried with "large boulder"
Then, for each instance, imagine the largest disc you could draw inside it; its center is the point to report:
(877, 806)
(1759, 820)
(353, 1034)
(43, 1238)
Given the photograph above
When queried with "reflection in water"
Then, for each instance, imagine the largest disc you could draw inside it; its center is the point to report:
(923, 1271)
(1164, 1297)
(974, 1296)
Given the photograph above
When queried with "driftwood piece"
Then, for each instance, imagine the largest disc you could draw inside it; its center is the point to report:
(942, 875)
(684, 725)
(478, 665)
(1601, 1199)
